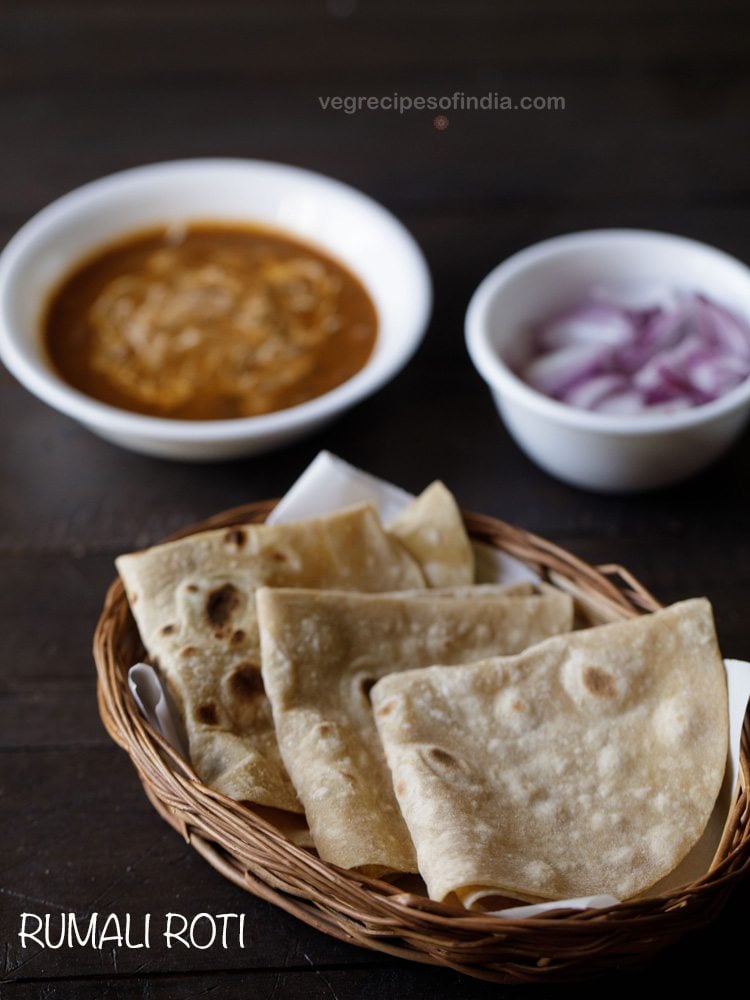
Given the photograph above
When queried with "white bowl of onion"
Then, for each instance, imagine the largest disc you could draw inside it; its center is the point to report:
(618, 359)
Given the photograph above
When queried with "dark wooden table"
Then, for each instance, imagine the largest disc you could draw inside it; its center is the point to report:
(654, 134)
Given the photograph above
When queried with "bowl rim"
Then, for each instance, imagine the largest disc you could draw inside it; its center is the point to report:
(44, 383)
(501, 378)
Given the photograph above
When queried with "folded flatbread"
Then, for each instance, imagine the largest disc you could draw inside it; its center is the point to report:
(588, 764)
(194, 603)
(322, 652)
(432, 529)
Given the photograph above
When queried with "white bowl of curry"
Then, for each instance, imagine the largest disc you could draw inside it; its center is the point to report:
(207, 309)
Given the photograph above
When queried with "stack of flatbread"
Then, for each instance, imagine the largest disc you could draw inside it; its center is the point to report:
(354, 685)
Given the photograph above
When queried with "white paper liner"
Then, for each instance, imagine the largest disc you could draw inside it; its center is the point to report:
(328, 484)
(580, 903)
(153, 700)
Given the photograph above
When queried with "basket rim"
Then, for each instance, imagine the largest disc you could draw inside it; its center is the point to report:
(210, 821)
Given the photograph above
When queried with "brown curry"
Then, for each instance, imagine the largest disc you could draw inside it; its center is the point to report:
(209, 322)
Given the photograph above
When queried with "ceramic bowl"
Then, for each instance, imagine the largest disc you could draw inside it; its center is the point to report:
(607, 453)
(343, 222)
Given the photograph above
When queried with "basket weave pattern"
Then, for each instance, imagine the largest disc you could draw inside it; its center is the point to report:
(563, 945)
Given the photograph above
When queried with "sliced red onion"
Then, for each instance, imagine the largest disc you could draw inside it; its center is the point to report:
(655, 332)
(676, 405)
(555, 371)
(667, 367)
(717, 375)
(730, 332)
(640, 350)
(588, 394)
(628, 403)
(590, 324)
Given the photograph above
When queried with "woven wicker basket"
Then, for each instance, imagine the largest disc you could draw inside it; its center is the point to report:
(563, 945)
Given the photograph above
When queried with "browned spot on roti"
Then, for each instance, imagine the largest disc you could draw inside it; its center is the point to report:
(348, 777)
(599, 682)
(278, 557)
(167, 629)
(386, 708)
(324, 728)
(221, 604)
(238, 636)
(207, 714)
(188, 651)
(400, 787)
(235, 536)
(518, 706)
(246, 681)
(445, 765)
(442, 758)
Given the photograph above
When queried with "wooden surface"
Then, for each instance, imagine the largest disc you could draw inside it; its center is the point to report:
(654, 134)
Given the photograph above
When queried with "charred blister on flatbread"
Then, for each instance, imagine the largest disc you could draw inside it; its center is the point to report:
(221, 605)
(246, 681)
